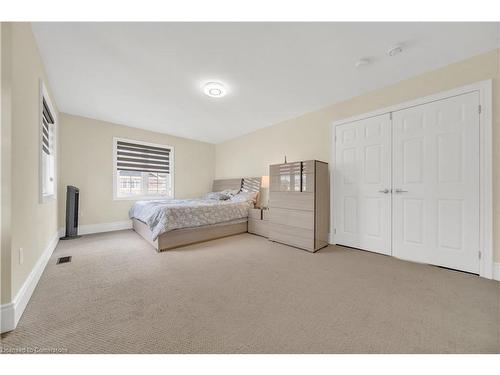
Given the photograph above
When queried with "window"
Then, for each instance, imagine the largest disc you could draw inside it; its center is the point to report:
(47, 147)
(142, 170)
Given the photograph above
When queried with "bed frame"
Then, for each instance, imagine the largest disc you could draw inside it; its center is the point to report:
(187, 236)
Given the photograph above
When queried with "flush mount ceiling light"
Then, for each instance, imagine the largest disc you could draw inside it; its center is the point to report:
(214, 89)
(395, 50)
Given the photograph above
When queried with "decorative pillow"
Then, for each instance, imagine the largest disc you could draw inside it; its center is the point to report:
(229, 193)
(245, 197)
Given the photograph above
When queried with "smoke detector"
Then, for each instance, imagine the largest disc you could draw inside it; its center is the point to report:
(395, 50)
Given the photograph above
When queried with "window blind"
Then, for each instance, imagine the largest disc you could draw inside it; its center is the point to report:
(47, 121)
(142, 158)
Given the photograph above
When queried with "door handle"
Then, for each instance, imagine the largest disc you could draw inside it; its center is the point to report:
(385, 191)
(400, 191)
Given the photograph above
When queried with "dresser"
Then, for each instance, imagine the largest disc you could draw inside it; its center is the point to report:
(299, 204)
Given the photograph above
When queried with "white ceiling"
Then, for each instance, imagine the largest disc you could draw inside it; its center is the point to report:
(148, 75)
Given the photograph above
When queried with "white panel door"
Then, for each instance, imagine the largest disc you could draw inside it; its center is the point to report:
(436, 183)
(362, 184)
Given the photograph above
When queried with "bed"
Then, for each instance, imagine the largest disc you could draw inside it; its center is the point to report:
(167, 224)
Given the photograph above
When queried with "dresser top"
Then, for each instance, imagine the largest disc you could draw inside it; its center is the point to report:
(300, 161)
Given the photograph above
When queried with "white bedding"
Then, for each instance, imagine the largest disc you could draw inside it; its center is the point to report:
(165, 215)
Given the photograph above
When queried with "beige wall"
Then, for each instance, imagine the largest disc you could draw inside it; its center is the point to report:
(32, 224)
(86, 161)
(308, 136)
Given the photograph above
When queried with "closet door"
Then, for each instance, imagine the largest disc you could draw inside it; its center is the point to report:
(362, 184)
(436, 183)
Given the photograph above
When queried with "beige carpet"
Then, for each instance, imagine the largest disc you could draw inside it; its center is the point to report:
(244, 294)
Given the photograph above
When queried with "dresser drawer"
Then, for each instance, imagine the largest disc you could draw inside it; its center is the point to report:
(293, 201)
(293, 236)
(308, 176)
(285, 177)
(294, 218)
(259, 227)
(285, 169)
(285, 182)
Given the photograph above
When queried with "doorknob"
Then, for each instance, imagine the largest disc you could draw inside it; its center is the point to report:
(401, 191)
(385, 191)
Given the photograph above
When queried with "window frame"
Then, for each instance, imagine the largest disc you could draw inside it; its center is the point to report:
(142, 197)
(44, 94)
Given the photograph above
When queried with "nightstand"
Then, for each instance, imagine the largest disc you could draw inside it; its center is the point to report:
(257, 221)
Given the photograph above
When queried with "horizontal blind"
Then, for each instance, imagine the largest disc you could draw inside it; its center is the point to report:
(142, 158)
(47, 121)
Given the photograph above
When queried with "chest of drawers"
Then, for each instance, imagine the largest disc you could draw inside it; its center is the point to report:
(299, 204)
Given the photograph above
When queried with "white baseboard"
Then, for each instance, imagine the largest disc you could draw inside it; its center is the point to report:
(8, 316)
(11, 312)
(101, 227)
(496, 271)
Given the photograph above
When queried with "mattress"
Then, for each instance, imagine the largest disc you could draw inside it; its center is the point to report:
(166, 215)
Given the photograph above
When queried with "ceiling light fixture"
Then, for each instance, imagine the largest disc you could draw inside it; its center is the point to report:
(393, 51)
(214, 89)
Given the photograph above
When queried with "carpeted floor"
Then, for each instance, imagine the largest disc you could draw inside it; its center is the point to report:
(244, 294)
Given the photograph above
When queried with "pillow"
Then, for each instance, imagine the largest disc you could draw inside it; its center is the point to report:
(221, 195)
(245, 197)
(216, 196)
(230, 192)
